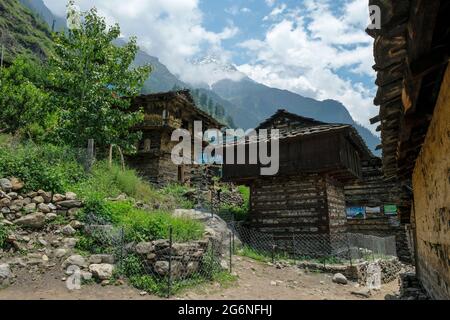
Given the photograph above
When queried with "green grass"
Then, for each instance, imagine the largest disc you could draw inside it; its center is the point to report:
(240, 213)
(109, 182)
(27, 34)
(3, 236)
(141, 225)
(251, 253)
(132, 268)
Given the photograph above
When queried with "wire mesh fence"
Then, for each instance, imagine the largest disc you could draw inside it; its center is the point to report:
(333, 249)
(161, 266)
(164, 266)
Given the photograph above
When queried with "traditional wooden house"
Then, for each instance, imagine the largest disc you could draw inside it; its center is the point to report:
(372, 207)
(307, 194)
(412, 51)
(164, 113)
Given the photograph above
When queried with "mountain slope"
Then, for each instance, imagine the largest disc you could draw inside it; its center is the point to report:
(40, 9)
(23, 32)
(161, 79)
(256, 102)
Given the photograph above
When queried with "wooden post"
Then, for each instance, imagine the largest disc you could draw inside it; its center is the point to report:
(110, 156)
(122, 159)
(90, 154)
(169, 279)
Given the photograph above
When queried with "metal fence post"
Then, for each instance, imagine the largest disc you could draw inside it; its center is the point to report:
(293, 246)
(233, 239)
(273, 249)
(169, 280)
(122, 246)
(349, 250)
(90, 155)
(231, 252)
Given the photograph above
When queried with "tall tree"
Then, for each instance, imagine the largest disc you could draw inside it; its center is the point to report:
(24, 103)
(94, 83)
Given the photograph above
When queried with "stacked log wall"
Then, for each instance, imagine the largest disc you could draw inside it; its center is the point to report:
(305, 204)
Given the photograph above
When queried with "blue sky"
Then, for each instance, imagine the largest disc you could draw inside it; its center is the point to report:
(317, 48)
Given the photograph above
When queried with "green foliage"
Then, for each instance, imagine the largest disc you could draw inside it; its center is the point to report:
(257, 255)
(90, 77)
(42, 167)
(177, 193)
(240, 213)
(24, 104)
(141, 225)
(23, 32)
(3, 235)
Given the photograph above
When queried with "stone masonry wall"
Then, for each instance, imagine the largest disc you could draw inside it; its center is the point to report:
(431, 184)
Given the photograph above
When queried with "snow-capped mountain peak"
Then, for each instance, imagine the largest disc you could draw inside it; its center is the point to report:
(207, 70)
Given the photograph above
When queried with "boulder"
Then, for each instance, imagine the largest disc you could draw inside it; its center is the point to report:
(47, 196)
(103, 271)
(101, 258)
(34, 221)
(5, 274)
(340, 279)
(60, 253)
(162, 268)
(17, 205)
(6, 185)
(69, 204)
(70, 196)
(17, 184)
(364, 293)
(58, 197)
(70, 243)
(44, 208)
(5, 202)
(75, 260)
(68, 230)
(144, 248)
(13, 195)
(29, 208)
(51, 217)
(38, 200)
(77, 225)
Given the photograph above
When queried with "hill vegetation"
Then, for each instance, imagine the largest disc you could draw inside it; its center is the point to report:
(23, 33)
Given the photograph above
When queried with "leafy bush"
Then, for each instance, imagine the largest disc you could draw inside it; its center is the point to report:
(144, 226)
(240, 213)
(108, 182)
(45, 167)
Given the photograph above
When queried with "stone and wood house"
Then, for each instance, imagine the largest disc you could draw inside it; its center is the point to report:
(412, 51)
(307, 194)
(164, 113)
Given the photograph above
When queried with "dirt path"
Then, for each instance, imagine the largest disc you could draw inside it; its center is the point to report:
(256, 281)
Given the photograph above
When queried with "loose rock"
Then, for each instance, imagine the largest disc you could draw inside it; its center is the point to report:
(102, 271)
(340, 279)
(34, 221)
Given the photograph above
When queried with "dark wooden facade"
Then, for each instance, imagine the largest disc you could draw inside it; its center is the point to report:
(412, 51)
(307, 195)
(164, 113)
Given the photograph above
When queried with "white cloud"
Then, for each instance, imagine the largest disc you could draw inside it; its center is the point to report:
(276, 12)
(235, 10)
(172, 30)
(305, 50)
(270, 3)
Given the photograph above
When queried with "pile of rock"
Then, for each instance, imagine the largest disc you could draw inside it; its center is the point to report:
(99, 266)
(33, 242)
(411, 288)
(186, 258)
(33, 209)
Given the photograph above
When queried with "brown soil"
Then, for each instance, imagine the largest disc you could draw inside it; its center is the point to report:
(256, 281)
